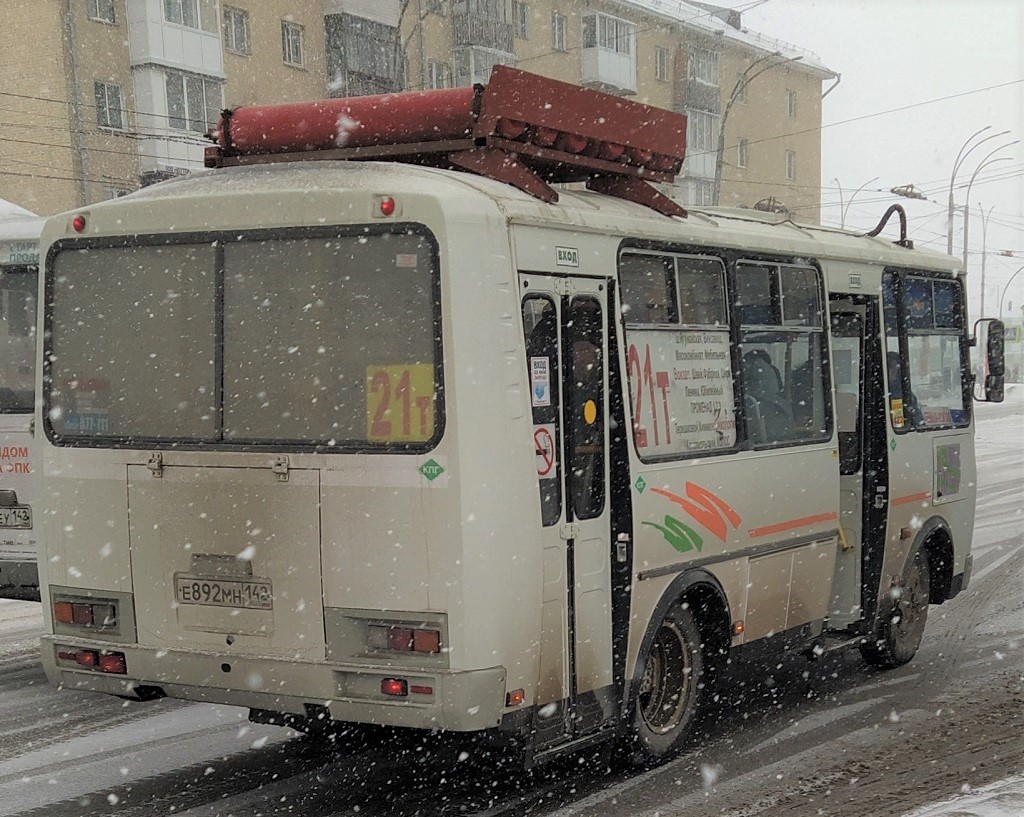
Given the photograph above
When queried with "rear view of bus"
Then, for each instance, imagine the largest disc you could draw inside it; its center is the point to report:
(19, 263)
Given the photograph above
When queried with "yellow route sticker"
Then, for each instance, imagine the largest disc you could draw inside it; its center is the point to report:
(400, 403)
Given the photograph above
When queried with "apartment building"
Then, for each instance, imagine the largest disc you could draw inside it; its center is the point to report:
(100, 97)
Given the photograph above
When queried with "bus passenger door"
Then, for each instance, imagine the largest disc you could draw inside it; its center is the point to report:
(565, 326)
(859, 401)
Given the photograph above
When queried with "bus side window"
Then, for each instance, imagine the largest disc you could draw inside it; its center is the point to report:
(586, 407)
(540, 329)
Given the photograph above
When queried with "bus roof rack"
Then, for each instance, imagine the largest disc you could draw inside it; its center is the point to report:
(521, 129)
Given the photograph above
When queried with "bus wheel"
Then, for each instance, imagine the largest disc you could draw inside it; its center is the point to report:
(671, 690)
(901, 633)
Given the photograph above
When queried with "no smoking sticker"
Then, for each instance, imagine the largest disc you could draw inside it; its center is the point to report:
(544, 445)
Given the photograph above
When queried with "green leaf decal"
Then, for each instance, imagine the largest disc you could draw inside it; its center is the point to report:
(682, 537)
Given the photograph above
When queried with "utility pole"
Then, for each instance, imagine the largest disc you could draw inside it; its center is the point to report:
(961, 157)
(984, 244)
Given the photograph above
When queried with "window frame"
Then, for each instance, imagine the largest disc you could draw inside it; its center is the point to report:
(105, 108)
(821, 328)
(559, 26)
(790, 165)
(521, 19)
(207, 81)
(436, 69)
(703, 65)
(228, 21)
(742, 152)
(220, 238)
(96, 8)
(180, 5)
(791, 104)
(292, 33)
(654, 248)
(903, 335)
(661, 70)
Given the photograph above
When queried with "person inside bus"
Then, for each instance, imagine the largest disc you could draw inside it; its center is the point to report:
(771, 419)
(912, 415)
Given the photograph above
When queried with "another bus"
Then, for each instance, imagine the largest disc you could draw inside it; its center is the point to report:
(340, 431)
(19, 264)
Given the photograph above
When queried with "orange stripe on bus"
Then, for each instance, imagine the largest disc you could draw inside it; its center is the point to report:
(802, 522)
(921, 497)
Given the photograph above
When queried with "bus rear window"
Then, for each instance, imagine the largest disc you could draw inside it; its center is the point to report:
(18, 328)
(325, 341)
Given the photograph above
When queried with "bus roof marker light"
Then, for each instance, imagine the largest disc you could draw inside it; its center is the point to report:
(387, 206)
(78, 223)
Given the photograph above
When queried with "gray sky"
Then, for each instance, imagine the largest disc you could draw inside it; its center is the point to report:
(896, 53)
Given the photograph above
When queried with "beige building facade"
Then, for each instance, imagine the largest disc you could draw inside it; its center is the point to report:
(111, 95)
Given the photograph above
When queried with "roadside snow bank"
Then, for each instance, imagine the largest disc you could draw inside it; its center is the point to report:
(1002, 799)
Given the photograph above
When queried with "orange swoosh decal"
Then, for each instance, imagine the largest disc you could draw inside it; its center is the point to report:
(790, 524)
(706, 509)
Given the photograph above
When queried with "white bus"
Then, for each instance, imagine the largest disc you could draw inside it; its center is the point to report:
(19, 265)
(393, 444)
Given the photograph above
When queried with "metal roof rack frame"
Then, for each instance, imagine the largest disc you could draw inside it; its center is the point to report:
(522, 129)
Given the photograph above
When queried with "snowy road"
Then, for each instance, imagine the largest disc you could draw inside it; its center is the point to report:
(832, 738)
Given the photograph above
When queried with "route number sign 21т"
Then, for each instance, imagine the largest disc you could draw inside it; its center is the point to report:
(400, 403)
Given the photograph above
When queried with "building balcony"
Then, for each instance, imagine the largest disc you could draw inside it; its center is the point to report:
(476, 29)
(611, 71)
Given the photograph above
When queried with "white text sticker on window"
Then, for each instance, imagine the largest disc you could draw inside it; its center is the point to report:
(540, 382)
(407, 260)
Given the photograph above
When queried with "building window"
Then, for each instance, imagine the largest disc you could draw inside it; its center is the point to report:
(193, 102)
(608, 33)
(236, 30)
(558, 31)
(520, 16)
(790, 166)
(701, 130)
(791, 103)
(291, 43)
(741, 153)
(439, 75)
(362, 56)
(661, 63)
(741, 89)
(182, 12)
(101, 10)
(435, 7)
(703, 66)
(109, 110)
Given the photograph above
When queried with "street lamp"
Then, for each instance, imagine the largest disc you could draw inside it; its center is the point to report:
(843, 210)
(984, 246)
(961, 157)
(741, 84)
(967, 207)
(1002, 295)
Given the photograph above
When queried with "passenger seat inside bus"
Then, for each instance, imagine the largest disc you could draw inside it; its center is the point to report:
(768, 418)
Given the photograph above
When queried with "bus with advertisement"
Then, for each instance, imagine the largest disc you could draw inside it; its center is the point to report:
(19, 265)
(372, 424)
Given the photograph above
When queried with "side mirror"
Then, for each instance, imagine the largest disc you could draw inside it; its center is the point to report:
(989, 334)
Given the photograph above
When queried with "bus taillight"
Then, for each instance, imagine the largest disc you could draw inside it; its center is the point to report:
(395, 687)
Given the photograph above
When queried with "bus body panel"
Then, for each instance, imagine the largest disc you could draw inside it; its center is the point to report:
(449, 537)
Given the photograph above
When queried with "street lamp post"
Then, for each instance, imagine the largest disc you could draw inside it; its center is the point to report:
(983, 163)
(961, 157)
(741, 83)
(844, 209)
(1002, 295)
(984, 246)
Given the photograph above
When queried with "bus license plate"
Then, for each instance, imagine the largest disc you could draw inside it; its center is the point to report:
(15, 517)
(251, 594)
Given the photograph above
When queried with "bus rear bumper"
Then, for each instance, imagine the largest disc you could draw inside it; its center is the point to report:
(453, 700)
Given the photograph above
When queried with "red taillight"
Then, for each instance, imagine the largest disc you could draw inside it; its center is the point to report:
(62, 612)
(396, 687)
(421, 689)
(78, 223)
(87, 658)
(81, 613)
(400, 639)
(64, 655)
(387, 206)
(113, 662)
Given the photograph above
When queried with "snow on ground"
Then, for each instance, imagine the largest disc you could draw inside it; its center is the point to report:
(1002, 799)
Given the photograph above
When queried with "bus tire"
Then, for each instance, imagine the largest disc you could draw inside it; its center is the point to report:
(901, 632)
(671, 692)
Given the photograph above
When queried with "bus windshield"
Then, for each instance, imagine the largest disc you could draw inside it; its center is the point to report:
(326, 341)
(18, 328)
